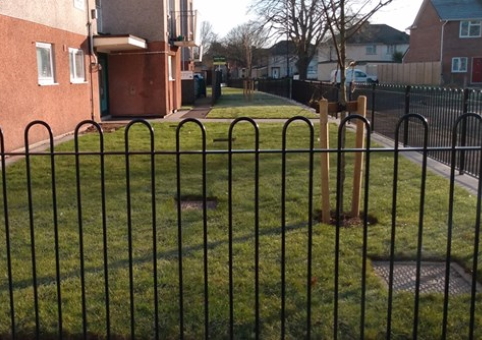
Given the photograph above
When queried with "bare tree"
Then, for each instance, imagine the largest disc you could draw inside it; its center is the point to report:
(207, 36)
(344, 19)
(242, 42)
(302, 21)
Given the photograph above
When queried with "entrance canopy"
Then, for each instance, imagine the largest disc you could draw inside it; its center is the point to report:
(113, 43)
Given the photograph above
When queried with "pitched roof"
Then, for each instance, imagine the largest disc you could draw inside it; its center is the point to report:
(282, 47)
(458, 9)
(378, 33)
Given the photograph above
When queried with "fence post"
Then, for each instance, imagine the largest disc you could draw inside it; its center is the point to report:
(463, 140)
(407, 111)
(290, 80)
(374, 87)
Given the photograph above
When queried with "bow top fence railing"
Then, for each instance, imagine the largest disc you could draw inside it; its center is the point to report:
(213, 232)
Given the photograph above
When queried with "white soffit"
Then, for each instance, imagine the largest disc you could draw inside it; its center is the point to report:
(114, 43)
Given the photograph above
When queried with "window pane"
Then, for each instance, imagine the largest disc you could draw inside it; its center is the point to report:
(43, 63)
(79, 65)
(77, 68)
(455, 64)
(474, 30)
(464, 28)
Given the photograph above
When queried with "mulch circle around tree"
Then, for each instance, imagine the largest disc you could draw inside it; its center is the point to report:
(346, 220)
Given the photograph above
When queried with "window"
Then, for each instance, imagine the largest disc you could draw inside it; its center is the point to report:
(98, 7)
(459, 65)
(45, 64)
(80, 4)
(77, 68)
(391, 49)
(469, 29)
(371, 49)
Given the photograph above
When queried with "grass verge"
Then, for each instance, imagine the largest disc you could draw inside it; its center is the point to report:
(233, 104)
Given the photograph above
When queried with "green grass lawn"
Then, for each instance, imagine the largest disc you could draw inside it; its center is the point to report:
(232, 104)
(133, 229)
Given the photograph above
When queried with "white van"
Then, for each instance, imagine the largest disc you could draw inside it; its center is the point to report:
(353, 75)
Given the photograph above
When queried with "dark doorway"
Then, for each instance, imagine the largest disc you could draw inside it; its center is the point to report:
(103, 85)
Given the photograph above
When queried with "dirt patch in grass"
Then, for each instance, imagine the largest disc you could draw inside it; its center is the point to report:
(346, 220)
(106, 128)
(191, 202)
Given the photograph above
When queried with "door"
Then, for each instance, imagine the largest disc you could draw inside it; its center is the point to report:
(103, 86)
(477, 70)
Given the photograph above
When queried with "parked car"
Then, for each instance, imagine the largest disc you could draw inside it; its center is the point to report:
(352, 75)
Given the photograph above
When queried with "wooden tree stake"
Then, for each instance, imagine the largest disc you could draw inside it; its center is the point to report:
(359, 144)
(325, 162)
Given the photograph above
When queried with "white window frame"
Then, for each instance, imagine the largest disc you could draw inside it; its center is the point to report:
(469, 25)
(79, 4)
(459, 64)
(77, 66)
(43, 77)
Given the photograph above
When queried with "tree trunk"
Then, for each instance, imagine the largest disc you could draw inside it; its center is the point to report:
(302, 66)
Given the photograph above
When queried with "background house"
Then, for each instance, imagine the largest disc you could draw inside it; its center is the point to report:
(282, 61)
(371, 45)
(449, 32)
(47, 68)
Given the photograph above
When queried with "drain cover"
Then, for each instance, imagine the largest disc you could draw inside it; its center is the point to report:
(197, 203)
(432, 277)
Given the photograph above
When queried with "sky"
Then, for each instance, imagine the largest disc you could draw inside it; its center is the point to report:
(227, 14)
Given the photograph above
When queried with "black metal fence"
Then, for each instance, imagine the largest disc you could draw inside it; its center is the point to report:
(388, 103)
(216, 87)
(181, 232)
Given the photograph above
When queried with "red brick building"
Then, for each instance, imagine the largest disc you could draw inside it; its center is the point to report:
(450, 32)
(64, 61)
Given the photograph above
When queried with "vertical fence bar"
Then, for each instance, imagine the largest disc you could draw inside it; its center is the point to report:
(256, 226)
(179, 232)
(56, 241)
(374, 88)
(230, 241)
(103, 209)
(104, 237)
(81, 239)
(283, 234)
(256, 237)
(32, 232)
(420, 224)
(463, 136)
(205, 234)
(338, 215)
(476, 241)
(450, 226)
(361, 124)
(129, 230)
(7, 237)
(154, 234)
(396, 155)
